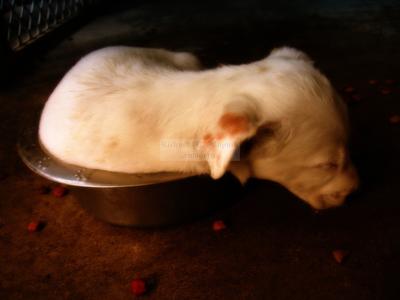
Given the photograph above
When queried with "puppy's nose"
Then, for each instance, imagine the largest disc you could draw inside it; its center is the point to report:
(354, 189)
(354, 179)
(355, 195)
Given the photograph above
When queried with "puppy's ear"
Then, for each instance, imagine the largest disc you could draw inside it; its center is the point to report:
(238, 122)
(290, 53)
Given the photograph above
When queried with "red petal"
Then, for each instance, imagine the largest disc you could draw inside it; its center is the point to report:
(33, 226)
(349, 89)
(340, 255)
(219, 225)
(59, 191)
(138, 287)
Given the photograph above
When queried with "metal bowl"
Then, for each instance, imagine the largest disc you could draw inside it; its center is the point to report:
(143, 200)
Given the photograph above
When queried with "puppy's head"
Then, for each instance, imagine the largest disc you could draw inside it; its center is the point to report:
(311, 162)
(296, 132)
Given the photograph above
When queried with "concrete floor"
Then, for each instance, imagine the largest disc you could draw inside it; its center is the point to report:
(275, 246)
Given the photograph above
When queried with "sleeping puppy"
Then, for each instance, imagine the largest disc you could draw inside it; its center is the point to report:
(137, 110)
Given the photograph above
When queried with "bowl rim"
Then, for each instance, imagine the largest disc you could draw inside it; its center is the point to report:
(36, 158)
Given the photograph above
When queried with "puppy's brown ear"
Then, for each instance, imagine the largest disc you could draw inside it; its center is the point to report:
(238, 122)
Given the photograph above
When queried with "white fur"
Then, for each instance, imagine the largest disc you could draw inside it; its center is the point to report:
(140, 110)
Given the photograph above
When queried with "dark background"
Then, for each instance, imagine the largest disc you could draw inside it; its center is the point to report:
(275, 247)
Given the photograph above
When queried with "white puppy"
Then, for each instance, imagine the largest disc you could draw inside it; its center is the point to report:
(139, 110)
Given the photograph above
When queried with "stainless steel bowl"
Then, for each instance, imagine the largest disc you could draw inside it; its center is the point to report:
(143, 200)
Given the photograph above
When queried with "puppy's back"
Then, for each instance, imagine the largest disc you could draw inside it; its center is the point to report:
(99, 106)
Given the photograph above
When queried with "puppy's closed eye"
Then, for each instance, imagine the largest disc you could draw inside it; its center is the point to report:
(328, 166)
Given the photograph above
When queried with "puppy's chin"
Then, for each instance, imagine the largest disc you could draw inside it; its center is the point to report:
(321, 202)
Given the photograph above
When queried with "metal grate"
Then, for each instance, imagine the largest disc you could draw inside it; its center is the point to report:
(27, 20)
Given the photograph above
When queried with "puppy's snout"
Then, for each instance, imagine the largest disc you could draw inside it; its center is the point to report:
(353, 179)
(354, 188)
(350, 186)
